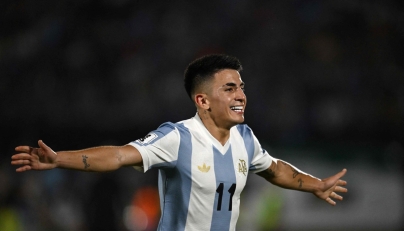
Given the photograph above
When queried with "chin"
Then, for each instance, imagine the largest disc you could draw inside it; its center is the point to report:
(239, 120)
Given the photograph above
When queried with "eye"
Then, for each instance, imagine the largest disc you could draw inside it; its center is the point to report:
(230, 89)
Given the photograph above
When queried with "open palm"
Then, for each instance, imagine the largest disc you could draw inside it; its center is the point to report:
(30, 158)
(331, 187)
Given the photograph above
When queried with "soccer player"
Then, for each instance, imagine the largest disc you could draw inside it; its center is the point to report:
(203, 161)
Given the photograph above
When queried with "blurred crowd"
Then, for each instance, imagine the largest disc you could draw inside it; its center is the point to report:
(87, 73)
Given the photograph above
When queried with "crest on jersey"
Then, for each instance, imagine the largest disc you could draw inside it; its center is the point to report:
(147, 139)
(242, 167)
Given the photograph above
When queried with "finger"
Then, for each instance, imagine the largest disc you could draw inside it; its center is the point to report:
(23, 168)
(341, 182)
(336, 196)
(44, 148)
(21, 156)
(43, 145)
(22, 148)
(342, 173)
(21, 162)
(335, 180)
(340, 189)
(330, 201)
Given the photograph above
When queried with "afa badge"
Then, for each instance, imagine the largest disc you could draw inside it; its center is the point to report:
(242, 167)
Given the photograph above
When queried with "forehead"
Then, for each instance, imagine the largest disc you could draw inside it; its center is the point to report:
(227, 76)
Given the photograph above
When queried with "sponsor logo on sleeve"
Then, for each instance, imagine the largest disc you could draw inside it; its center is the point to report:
(147, 139)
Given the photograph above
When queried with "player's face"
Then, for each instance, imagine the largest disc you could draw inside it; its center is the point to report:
(227, 98)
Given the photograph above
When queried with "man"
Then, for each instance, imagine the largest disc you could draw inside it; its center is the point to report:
(203, 162)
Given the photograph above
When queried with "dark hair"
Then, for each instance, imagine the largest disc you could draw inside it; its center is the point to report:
(203, 69)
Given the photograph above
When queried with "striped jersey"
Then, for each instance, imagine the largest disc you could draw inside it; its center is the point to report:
(200, 180)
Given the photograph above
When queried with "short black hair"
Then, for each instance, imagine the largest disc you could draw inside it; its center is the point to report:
(204, 68)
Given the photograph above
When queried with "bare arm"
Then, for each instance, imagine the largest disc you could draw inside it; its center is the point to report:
(287, 176)
(103, 158)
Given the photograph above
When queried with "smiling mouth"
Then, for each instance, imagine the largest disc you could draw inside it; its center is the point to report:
(237, 108)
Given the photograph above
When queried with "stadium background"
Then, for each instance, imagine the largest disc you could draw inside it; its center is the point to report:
(324, 80)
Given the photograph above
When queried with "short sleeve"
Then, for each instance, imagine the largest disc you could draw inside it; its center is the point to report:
(159, 148)
(259, 159)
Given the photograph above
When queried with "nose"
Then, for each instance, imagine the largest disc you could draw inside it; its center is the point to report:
(240, 95)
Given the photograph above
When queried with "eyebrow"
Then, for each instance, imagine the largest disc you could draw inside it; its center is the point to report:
(233, 84)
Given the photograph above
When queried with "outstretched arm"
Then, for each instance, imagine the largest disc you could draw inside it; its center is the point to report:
(285, 175)
(100, 159)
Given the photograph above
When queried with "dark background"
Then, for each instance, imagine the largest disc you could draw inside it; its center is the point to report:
(324, 81)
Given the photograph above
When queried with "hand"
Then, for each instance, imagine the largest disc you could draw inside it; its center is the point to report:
(41, 158)
(331, 186)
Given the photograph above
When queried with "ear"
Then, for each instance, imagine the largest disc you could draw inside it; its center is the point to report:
(201, 101)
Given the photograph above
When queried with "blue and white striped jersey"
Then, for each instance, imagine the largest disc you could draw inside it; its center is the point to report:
(200, 180)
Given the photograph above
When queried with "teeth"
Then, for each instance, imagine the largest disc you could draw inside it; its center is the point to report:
(237, 108)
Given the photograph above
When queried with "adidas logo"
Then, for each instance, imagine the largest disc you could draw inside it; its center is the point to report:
(204, 168)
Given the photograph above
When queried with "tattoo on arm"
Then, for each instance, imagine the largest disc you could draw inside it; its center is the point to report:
(86, 165)
(300, 182)
(295, 172)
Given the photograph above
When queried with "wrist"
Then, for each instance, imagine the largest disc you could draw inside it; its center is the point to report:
(318, 188)
(56, 163)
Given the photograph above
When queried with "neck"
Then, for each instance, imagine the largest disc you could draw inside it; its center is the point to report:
(221, 134)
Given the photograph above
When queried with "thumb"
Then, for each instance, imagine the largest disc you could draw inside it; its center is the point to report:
(342, 173)
(336, 176)
(330, 181)
(42, 145)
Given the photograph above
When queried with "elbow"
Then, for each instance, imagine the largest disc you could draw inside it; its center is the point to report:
(119, 160)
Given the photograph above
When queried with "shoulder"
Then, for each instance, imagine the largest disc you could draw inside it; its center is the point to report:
(170, 127)
(245, 132)
(166, 128)
(243, 129)
(163, 131)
